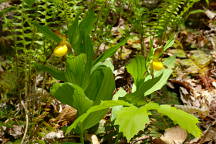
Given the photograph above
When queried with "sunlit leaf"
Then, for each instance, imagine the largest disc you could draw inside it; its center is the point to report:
(168, 44)
(136, 68)
(152, 85)
(77, 70)
(183, 119)
(170, 62)
(131, 120)
(72, 95)
(102, 106)
(120, 93)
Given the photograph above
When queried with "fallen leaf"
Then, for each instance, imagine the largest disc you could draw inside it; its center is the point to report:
(174, 135)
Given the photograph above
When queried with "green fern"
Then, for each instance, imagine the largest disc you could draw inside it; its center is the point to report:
(169, 14)
(155, 21)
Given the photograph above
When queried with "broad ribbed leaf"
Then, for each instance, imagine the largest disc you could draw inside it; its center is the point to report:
(168, 44)
(110, 52)
(57, 74)
(72, 95)
(77, 70)
(183, 119)
(74, 36)
(136, 68)
(87, 24)
(101, 84)
(97, 108)
(47, 32)
(131, 120)
(157, 83)
(87, 47)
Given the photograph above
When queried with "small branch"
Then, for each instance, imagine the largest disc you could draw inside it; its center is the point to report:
(140, 139)
(27, 122)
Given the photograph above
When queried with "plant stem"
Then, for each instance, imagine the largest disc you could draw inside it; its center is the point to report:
(81, 135)
(27, 122)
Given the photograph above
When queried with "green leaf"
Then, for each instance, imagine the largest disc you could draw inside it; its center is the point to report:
(135, 98)
(93, 119)
(152, 85)
(131, 120)
(207, 2)
(196, 11)
(110, 52)
(148, 86)
(74, 36)
(120, 93)
(29, 2)
(97, 108)
(136, 68)
(87, 47)
(87, 23)
(78, 70)
(170, 62)
(150, 106)
(57, 74)
(79, 35)
(183, 119)
(150, 53)
(86, 26)
(72, 95)
(102, 84)
(168, 44)
(108, 63)
(47, 32)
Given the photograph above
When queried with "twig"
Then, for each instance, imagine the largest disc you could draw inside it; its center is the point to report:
(27, 122)
(140, 139)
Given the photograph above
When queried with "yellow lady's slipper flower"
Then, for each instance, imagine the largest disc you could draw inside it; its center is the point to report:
(61, 50)
(156, 65)
(63, 46)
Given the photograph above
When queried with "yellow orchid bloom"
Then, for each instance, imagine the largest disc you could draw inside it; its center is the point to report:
(157, 65)
(61, 49)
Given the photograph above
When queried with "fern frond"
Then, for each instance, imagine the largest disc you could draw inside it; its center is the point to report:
(169, 14)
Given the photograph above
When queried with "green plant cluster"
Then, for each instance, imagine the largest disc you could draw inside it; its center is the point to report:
(88, 85)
